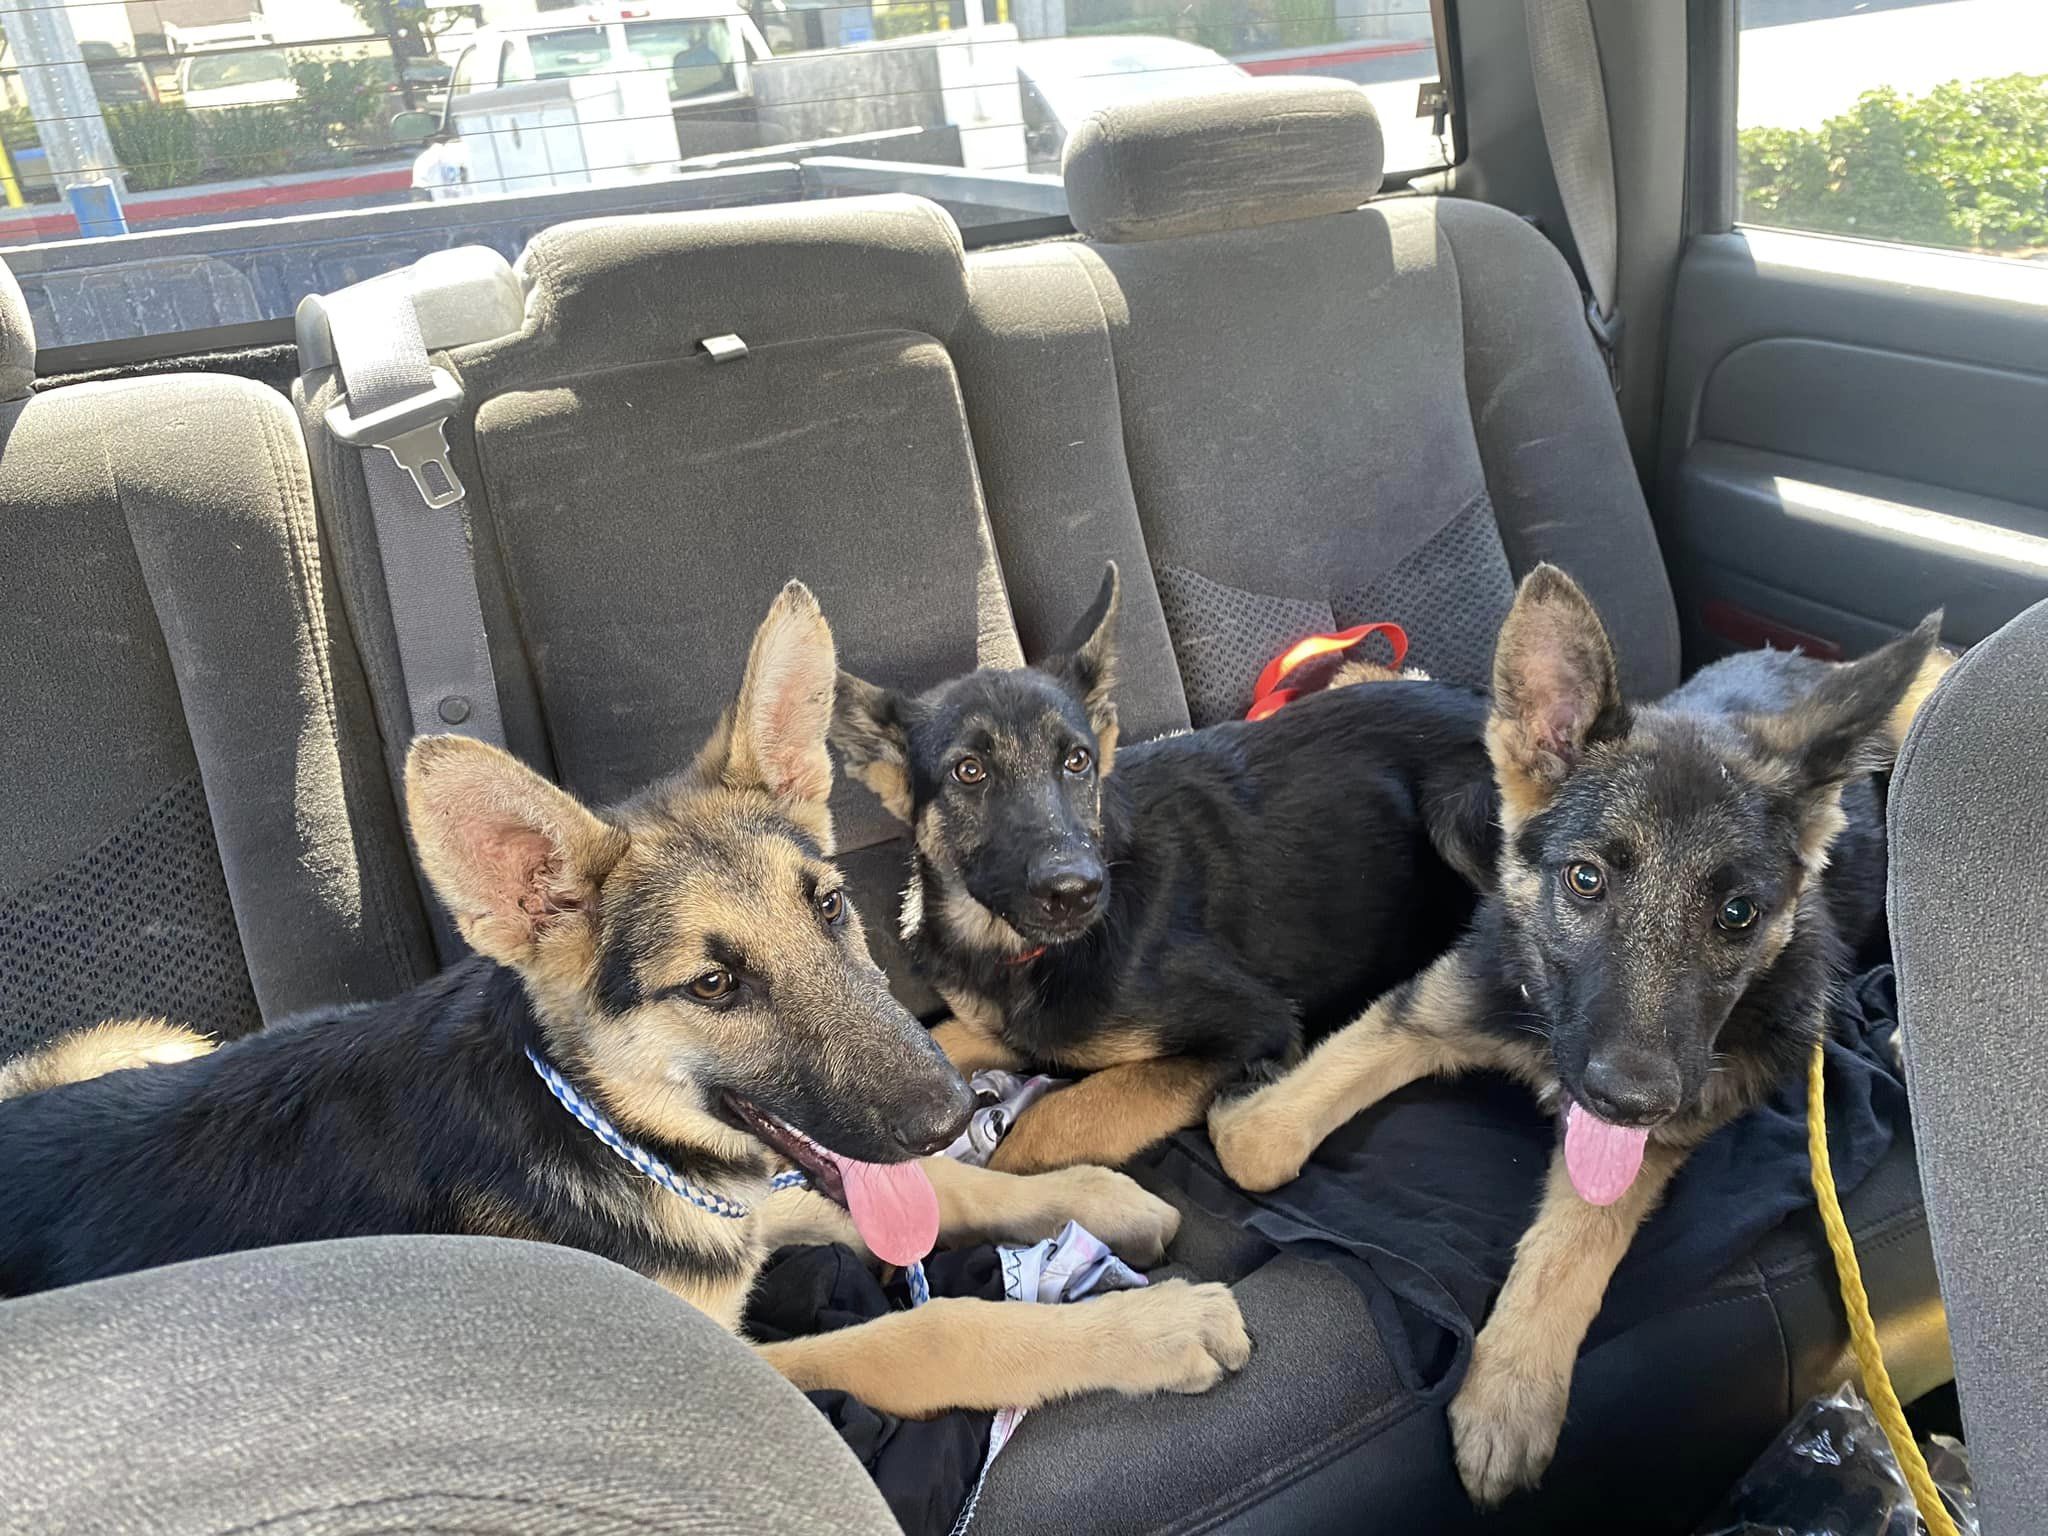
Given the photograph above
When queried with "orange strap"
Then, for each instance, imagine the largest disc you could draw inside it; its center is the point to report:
(1268, 695)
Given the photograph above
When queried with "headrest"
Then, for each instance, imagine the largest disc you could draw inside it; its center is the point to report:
(659, 284)
(461, 295)
(1265, 153)
(17, 340)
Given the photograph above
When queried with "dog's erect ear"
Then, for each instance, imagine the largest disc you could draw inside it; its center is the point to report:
(773, 738)
(1088, 664)
(516, 861)
(1857, 716)
(1555, 690)
(873, 739)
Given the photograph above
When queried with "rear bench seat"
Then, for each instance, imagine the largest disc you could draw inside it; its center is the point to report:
(1393, 411)
(191, 827)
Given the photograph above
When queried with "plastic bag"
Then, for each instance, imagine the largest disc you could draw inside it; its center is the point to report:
(1832, 1473)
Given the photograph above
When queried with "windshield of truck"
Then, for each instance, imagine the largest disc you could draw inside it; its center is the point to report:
(223, 71)
(573, 51)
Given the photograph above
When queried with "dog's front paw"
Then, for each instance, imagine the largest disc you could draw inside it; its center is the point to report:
(1260, 1140)
(1136, 1224)
(1505, 1422)
(1171, 1337)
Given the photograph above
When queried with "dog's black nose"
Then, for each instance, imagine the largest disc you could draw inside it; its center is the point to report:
(939, 1124)
(1630, 1089)
(1069, 892)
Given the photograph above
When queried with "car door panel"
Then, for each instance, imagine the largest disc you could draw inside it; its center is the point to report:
(1852, 437)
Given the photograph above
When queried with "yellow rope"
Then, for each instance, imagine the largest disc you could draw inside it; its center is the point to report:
(1884, 1402)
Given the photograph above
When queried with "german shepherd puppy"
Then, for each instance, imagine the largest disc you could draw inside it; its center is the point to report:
(1681, 886)
(690, 964)
(1165, 926)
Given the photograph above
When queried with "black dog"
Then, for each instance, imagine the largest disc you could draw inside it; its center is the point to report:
(1681, 886)
(1168, 925)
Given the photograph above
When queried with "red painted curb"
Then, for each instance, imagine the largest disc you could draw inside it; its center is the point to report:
(1308, 63)
(169, 207)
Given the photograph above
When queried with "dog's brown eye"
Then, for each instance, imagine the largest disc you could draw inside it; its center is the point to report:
(1079, 761)
(1584, 880)
(969, 770)
(832, 907)
(1736, 914)
(712, 985)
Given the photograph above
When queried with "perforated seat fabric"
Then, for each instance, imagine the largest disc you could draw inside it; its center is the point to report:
(196, 826)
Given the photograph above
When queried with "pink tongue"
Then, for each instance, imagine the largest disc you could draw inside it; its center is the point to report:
(893, 1206)
(1602, 1159)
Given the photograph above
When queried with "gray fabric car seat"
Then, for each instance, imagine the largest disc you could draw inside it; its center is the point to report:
(636, 502)
(1970, 932)
(195, 825)
(404, 1384)
(1329, 413)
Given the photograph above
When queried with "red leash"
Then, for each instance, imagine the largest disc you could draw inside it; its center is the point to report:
(1268, 695)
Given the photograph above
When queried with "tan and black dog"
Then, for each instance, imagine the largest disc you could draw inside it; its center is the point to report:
(1680, 887)
(1168, 916)
(689, 964)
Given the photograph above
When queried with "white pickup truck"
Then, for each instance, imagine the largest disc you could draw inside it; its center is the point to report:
(587, 98)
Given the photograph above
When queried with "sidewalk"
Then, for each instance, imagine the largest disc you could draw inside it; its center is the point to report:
(298, 192)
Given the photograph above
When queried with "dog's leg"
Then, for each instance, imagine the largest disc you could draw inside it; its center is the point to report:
(980, 1206)
(972, 1049)
(116, 1046)
(1420, 1029)
(959, 1352)
(1506, 1417)
(1110, 1116)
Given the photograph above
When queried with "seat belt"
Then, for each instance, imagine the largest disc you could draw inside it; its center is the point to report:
(394, 409)
(1571, 98)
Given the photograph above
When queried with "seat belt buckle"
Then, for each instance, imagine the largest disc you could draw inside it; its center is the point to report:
(414, 432)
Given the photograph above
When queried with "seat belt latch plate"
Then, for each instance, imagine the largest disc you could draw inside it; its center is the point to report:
(414, 432)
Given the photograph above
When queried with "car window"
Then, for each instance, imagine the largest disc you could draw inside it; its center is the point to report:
(698, 55)
(1908, 121)
(220, 71)
(573, 51)
(249, 171)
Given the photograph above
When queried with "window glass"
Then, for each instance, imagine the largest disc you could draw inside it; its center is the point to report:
(1923, 122)
(577, 51)
(252, 155)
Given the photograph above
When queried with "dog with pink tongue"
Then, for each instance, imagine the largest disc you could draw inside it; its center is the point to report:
(1680, 885)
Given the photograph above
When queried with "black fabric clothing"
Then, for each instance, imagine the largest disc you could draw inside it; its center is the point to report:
(925, 1468)
(1422, 1198)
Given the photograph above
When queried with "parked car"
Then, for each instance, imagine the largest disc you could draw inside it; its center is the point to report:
(1063, 79)
(118, 79)
(622, 69)
(237, 77)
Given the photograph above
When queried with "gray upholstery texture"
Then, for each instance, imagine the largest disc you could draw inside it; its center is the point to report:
(17, 340)
(1188, 165)
(1384, 414)
(404, 1384)
(1969, 910)
(1040, 387)
(191, 830)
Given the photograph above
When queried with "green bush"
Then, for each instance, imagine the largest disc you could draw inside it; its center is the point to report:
(340, 99)
(1963, 166)
(250, 141)
(157, 145)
